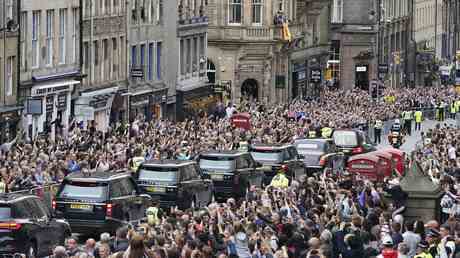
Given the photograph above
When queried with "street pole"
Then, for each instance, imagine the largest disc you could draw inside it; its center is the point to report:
(435, 28)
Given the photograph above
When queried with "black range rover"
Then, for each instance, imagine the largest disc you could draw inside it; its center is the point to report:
(231, 172)
(274, 157)
(27, 226)
(100, 202)
(175, 182)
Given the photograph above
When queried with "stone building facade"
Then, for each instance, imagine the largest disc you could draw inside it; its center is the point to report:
(9, 72)
(248, 54)
(50, 63)
(353, 43)
(104, 55)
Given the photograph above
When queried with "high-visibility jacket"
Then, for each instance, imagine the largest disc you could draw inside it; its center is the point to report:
(311, 134)
(280, 181)
(418, 116)
(378, 124)
(326, 132)
(452, 108)
(407, 115)
(2, 187)
(457, 105)
(152, 216)
(424, 255)
(136, 162)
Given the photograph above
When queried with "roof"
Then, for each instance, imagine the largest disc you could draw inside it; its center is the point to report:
(368, 156)
(227, 153)
(11, 197)
(97, 176)
(313, 140)
(270, 146)
(168, 163)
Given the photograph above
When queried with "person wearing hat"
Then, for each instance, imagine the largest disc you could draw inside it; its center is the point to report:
(388, 251)
(422, 250)
(432, 237)
(280, 180)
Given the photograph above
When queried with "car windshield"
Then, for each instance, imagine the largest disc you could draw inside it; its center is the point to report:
(5, 213)
(84, 190)
(345, 138)
(162, 174)
(210, 162)
(270, 155)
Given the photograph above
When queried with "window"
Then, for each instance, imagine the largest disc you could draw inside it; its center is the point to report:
(195, 54)
(150, 63)
(108, 10)
(337, 11)
(202, 52)
(49, 36)
(96, 53)
(235, 11)
(151, 10)
(143, 11)
(9, 10)
(23, 38)
(35, 38)
(62, 31)
(115, 58)
(105, 53)
(87, 10)
(182, 57)
(160, 11)
(159, 49)
(257, 12)
(143, 57)
(86, 56)
(133, 56)
(188, 57)
(115, 8)
(9, 76)
(134, 11)
(76, 25)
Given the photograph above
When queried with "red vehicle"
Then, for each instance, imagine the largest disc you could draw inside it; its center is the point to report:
(399, 158)
(242, 120)
(387, 161)
(367, 165)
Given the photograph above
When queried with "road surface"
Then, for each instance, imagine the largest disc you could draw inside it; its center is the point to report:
(411, 141)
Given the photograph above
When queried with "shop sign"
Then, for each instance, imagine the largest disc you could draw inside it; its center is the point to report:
(62, 101)
(383, 68)
(280, 81)
(301, 75)
(361, 68)
(140, 100)
(315, 75)
(85, 113)
(137, 72)
(49, 104)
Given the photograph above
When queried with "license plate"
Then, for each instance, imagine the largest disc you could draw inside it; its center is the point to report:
(217, 177)
(156, 189)
(81, 206)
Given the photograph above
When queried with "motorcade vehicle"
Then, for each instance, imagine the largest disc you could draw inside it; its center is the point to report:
(232, 172)
(99, 202)
(367, 166)
(352, 142)
(316, 153)
(175, 183)
(273, 157)
(27, 226)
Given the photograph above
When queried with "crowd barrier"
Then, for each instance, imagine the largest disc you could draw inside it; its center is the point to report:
(46, 193)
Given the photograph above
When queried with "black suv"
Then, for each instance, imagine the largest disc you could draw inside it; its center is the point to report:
(274, 157)
(100, 202)
(175, 182)
(231, 172)
(26, 226)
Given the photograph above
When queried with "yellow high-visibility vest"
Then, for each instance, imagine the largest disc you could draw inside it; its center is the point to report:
(311, 134)
(418, 116)
(280, 181)
(326, 132)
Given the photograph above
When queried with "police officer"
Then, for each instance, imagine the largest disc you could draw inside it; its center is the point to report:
(326, 132)
(422, 250)
(418, 120)
(378, 131)
(453, 110)
(407, 116)
(280, 180)
(154, 214)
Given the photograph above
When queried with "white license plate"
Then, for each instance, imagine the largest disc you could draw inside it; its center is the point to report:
(156, 189)
(217, 177)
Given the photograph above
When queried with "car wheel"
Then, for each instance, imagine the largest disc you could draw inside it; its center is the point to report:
(32, 250)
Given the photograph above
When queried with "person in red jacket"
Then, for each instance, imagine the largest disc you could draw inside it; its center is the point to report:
(388, 251)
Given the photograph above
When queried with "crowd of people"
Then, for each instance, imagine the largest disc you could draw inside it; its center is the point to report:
(318, 217)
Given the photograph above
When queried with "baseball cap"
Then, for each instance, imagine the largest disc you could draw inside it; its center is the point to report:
(387, 241)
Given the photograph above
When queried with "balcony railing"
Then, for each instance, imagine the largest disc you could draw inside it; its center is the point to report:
(253, 33)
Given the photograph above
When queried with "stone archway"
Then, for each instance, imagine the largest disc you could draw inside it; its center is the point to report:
(250, 89)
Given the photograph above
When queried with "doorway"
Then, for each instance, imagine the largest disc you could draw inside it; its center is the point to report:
(362, 76)
(250, 89)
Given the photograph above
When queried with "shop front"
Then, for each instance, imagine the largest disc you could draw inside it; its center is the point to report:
(299, 79)
(95, 106)
(148, 104)
(9, 121)
(192, 102)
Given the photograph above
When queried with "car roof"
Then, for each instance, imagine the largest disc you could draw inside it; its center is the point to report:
(313, 140)
(6, 198)
(270, 146)
(168, 163)
(97, 176)
(226, 153)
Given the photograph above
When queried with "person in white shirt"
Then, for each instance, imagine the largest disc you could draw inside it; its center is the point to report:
(411, 239)
(451, 151)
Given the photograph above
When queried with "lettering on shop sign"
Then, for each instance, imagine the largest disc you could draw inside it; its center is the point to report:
(315, 75)
(251, 68)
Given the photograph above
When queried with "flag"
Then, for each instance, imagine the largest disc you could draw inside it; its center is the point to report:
(286, 33)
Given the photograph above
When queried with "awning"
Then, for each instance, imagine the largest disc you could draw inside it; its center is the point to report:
(55, 76)
(53, 87)
(111, 90)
